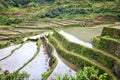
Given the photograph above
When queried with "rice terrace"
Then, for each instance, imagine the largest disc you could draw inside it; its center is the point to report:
(59, 39)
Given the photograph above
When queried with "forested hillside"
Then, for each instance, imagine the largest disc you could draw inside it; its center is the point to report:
(18, 11)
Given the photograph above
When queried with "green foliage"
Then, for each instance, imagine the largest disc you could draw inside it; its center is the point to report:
(108, 44)
(81, 8)
(14, 76)
(33, 4)
(64, 77)
(102, 0)
(91, 73)
(47, 74)
(112, 32)
(88, 73)
(96, 41)
(72, 9)
(118, 17)
(8, 21)
(3, 45)
(7, 3)
(17, 3)
(60, 9)
(38, 42)
(2, 7)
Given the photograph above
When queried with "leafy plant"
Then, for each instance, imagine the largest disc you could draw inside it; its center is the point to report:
(87, 73)
(14, 76)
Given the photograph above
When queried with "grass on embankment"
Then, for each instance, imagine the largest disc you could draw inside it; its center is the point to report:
(94, 54)
(79, 60)
(109, 41)
(108, 44)
(54, 64)
(111, 32)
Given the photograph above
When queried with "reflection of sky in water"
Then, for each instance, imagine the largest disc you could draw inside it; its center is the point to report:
(61, 68)
(19, 57)
(6, 51)
(75, 40)
(38, 66)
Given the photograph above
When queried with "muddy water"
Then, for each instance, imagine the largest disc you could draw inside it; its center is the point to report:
(60, 69)
(38, 66)
(85, 34)
(19, 57)
(6, 51)
(75, 40)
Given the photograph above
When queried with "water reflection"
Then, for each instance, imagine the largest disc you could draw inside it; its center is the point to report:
(61, 68)
(6, 51)
(19, 57)
(38, 66)
(75, 40)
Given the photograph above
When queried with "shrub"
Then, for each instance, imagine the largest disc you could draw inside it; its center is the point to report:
(8, 21)
(118, 16)
(111, 32)
(14, 76)
(87, 73)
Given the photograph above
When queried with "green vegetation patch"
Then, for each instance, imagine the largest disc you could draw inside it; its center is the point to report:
(47, 74)
(109, 41)
(54, 63)
(108, 44)
(112, 32)
(14, 76)
(4, 20)
(87, 73)
(69, 9)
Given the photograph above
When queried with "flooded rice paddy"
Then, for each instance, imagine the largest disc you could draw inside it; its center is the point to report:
(75, 40)
(19, 57)
(40, 63)
(7, 51)
(38, 66)
(85, 34)
(61, 68)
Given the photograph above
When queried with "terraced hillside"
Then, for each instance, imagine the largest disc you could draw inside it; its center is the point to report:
(18, 59)
(69, 53)
(82, 55)
(31, 59)
(59, 40)
(109, 40)
(63, 51)
(15, 34)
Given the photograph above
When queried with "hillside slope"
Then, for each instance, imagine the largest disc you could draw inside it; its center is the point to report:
(18, 11)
